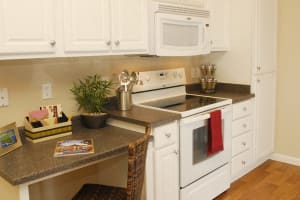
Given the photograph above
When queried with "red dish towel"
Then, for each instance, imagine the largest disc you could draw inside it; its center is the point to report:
(215, 138)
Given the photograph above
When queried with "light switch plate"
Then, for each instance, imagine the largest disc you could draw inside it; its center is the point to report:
(46, 91)
(3, 97)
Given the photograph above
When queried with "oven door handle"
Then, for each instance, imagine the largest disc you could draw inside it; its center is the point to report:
(203, 116)
(193, 119)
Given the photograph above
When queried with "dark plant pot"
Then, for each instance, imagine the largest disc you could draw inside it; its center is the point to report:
(94, 120)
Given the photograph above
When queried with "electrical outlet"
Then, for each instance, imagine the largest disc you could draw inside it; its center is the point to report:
(194, 73)
(3, 97)
(46, 91)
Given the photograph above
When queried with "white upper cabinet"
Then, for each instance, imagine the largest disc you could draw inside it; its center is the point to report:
(219, 24)
(104, 26)
(199, 3)
(86, 26)
(266, 48)
(129, 26)
(26, 27)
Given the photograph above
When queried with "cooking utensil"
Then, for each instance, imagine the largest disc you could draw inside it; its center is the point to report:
(124, 79)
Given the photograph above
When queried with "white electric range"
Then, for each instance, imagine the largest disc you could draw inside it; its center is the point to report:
(202, 176)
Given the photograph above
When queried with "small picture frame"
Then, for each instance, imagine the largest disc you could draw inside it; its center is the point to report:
(9, 138)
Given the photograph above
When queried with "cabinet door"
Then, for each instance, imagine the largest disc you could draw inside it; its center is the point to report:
(266, 36)
(26, 26)
(166, 173)
(129, 26)
(265, 115)
(87, 26)
(198, 3)
(219, 24)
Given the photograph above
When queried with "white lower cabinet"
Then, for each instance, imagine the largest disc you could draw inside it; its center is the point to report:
(241, 162)
(242, 139)
(162, 167)
(166, 173)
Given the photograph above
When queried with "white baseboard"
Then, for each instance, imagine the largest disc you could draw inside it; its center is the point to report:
(286, 159)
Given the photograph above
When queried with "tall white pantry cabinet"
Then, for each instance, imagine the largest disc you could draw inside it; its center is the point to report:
(264, 77)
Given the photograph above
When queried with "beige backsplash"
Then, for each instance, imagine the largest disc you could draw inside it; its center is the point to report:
(24, 78)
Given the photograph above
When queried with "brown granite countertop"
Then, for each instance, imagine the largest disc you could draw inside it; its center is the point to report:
(140, 115)
(235, 92)
(34, 161)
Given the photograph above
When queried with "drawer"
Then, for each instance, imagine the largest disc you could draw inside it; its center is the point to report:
(241, 143)
(242, 125)
(241, 162)
(166, 134)
(242, 109)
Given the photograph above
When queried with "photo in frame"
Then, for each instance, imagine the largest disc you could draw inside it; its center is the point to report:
(9, 138)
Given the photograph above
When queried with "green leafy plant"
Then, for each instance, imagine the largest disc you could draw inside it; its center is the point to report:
(91, 93)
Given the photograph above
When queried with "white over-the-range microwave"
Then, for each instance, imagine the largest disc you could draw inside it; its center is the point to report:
(177, 30)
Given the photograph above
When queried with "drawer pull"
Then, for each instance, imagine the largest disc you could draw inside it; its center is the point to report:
(168, 135)
(244, 143)
(243, 162)
(244, 125)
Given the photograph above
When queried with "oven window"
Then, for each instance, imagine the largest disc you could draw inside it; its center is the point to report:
(200, 143)
(200, 138)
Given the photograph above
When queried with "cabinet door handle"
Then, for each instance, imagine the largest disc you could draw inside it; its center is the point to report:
(189, 18)
(108, 43)
(258, 80)
(117, 43)
(244, 143)
(243, 162)
(258, 68)
(52, 42)
(244, 125)
(168, 135)
(176, 152)
(245, 109)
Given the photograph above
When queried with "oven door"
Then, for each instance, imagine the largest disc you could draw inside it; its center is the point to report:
(194, 162)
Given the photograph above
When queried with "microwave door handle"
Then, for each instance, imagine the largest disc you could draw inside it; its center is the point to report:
(194, 119)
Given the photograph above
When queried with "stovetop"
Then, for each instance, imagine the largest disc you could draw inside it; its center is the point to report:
(165, 90)
(183, 103)
(187, 104)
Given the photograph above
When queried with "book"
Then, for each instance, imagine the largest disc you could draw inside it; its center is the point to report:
(74, 147)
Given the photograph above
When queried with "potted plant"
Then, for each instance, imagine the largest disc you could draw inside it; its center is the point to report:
(91, 94)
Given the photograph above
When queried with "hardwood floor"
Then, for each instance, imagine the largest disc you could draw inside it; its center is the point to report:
(271, 180)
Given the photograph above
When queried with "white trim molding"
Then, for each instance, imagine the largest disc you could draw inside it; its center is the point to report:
(286, 159)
